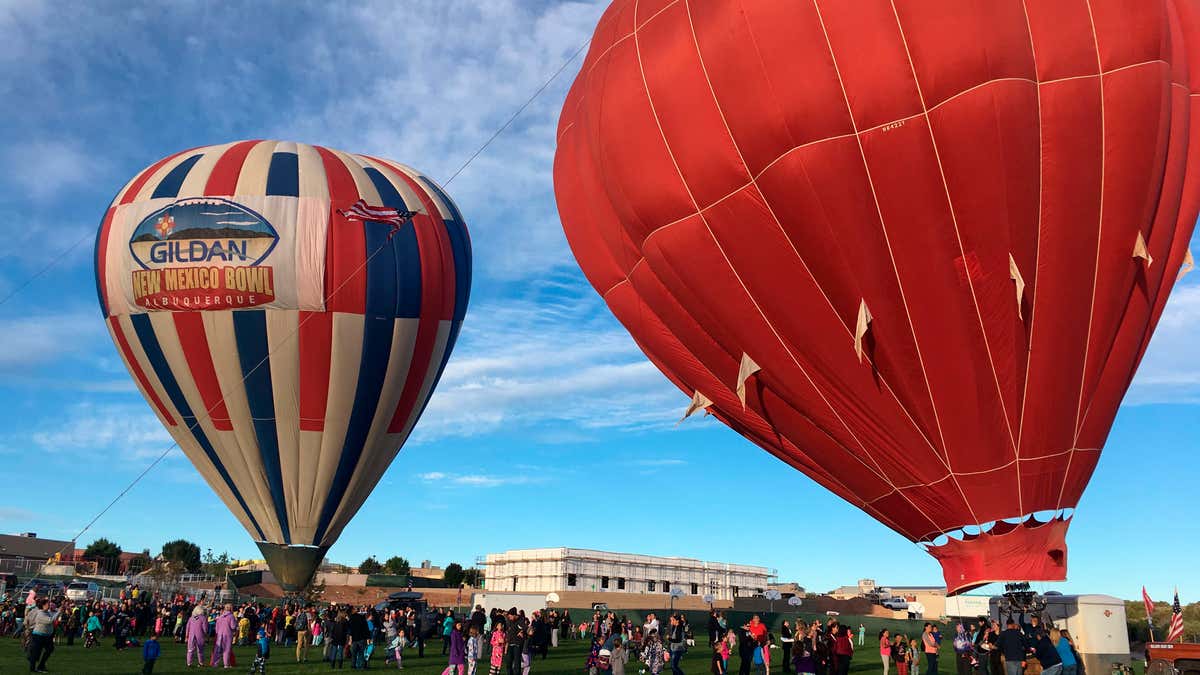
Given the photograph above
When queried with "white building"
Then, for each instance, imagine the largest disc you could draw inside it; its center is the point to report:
(545, 570)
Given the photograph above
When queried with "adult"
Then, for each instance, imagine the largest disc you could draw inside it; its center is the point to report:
(929, 644)
(40, 622)
(224, 631)
(677, 643)
(843, 649)
(1047, 654)
(785, 637)
(1066, 651)
(1011, 645)
(360, 633)
(197, 631)
(885, 649)
(964, 650)
(304, 621)
(714, 628)
(862, 634)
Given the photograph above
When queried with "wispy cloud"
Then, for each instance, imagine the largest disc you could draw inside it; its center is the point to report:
(552, 359)
(129, 430)
(1170, 373)
(14, 514)
(44, 168)
(475, 480)
(35, 340)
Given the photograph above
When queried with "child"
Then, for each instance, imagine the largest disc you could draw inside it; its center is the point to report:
(473, 649)
(618, 658)
(499, 644)
(653, 653)
(396, 647)
(900, 655)
(262, 653)
(914, 656)
(526, 652)
(718, 661)
(150, 652)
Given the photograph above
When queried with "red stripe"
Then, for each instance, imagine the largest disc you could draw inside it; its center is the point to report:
(102, 257)
(144, 176)
(449, 274)
(434, 254)
(138, 373)
(316, 341)
(224, 177)
(346, 246)
(192, 337)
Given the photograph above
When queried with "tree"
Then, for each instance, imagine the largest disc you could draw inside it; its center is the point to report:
(106, 554)
(140, 563)
(216, 566)
(453, 576)
(473, 577)
(370, 566)
(183, 552)
(398, 566)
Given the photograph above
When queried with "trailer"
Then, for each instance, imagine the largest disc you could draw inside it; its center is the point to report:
(1096, 623)
(1172, 658)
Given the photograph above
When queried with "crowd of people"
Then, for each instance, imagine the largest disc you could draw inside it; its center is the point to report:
(505, 642)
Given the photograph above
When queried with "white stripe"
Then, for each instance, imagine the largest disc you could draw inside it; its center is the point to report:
(197, 178)
(313, 182)
(345, 356)
(284, 348)
(222, 346)
(252, 181)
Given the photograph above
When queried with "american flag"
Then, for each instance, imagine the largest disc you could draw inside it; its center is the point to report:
(1176, 630)
(378, 214)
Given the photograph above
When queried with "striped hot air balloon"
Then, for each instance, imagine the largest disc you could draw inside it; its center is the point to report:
(286, 310)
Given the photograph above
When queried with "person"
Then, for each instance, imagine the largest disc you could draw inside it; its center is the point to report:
(337, 634)
(359, 634)
(262, 652)
(474, 648)
(843, 649)
(718, 660)
(1047, 654)
(1066, 651)
(150, 653)
(675, 642)
(302, 621)
(197, 630)
(862, 634)
(224, 630)
(499, 647)
(1011, 644)
(964, 651)
(914, 655)
(653, 653)
(900, 654)
(92, 630)
(785, 638)
(618, 657)
(930, 646)
(447, 628)
(885, 649)
(457, 650)
(802, 652)
(714, 628)
(40, 623)
(746, 646)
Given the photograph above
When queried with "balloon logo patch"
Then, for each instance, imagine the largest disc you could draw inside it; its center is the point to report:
(203, 253)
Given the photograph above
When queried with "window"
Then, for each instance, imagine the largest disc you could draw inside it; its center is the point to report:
(712, 586)
(514, 583)
(620, 583)
(735, 590)
(695, 589)
(666, 587)
(650, 586)
(571, 579)
(603, 582)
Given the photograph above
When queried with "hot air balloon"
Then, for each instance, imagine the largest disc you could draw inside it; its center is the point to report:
(286, 310)
(915, 249)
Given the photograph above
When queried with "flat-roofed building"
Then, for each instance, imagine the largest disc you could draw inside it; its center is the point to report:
(546, 570)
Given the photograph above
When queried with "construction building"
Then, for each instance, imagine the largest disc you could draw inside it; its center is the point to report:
(546, 570)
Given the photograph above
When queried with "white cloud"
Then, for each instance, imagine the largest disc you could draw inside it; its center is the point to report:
(44, 168)
(439, 479)
(1170, 373)
(36, 340)
(129, 429)
(554, 359)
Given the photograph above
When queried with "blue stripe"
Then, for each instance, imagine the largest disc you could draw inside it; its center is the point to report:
(405, 285)
(461, 243)
(283, 178)
(154, 354)
(250, 333)
(170, 184)
(373, 365)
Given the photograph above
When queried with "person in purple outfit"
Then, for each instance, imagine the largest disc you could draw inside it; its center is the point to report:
(226, 628)
(197, 630)
(458, 651)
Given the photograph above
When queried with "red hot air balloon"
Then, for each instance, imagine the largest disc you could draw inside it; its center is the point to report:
(914, 249)
(286, 310)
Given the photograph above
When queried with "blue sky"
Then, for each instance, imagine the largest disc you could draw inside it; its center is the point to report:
(549, 427)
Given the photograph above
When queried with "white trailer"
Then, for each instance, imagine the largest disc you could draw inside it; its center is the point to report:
(1096, 623)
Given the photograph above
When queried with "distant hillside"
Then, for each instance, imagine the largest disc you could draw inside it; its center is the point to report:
(207, 233)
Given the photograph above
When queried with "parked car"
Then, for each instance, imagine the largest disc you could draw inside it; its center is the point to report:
(427, 618)
(895, 603)
(82, 591)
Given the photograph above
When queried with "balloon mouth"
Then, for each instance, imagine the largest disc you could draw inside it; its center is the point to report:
(292, 566)
(1027, 550)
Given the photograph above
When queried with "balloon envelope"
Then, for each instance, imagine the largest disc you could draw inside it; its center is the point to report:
(914, 249)
(287, 339)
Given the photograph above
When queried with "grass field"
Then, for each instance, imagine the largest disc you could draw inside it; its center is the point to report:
(569, 657)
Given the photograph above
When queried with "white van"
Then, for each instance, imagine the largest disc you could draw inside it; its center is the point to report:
(82, 591)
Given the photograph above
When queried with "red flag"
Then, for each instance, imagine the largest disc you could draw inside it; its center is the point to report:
(1175, 632)
(1149, 606)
